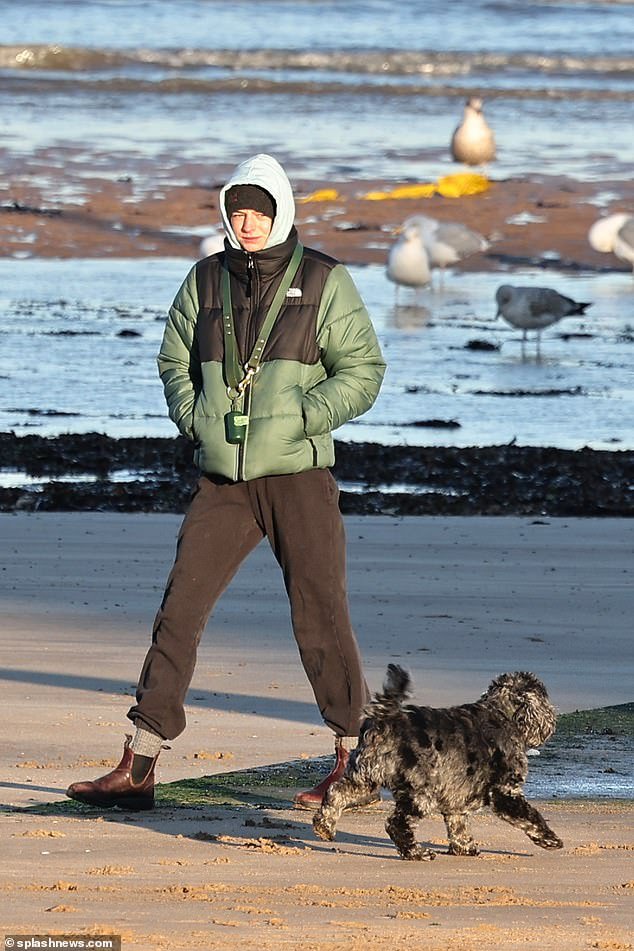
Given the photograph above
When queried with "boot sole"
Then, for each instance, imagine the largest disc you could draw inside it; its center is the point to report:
(129, 805)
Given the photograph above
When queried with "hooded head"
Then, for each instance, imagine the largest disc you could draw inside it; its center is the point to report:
(272, 192)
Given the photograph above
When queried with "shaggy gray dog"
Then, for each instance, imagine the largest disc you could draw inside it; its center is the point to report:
(452, 760)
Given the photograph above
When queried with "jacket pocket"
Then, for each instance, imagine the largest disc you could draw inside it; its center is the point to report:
(323, 451)
(196, 417)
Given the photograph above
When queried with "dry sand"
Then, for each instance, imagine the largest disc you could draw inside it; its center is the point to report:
(456, 600)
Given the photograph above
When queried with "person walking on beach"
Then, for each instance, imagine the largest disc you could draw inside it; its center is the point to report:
(267, 348)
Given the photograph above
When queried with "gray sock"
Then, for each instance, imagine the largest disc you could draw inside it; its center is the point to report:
(145, 743)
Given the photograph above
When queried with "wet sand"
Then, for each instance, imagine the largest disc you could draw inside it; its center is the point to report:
(195, 881)
(454, 600)
(59, 206)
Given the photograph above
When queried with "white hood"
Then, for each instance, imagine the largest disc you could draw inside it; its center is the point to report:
(265, 171)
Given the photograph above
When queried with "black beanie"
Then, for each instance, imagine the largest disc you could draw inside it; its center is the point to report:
(243, 197)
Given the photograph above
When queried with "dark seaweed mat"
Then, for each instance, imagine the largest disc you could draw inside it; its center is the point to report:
(491, 480)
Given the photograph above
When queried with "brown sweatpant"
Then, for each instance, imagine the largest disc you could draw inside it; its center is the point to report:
(299, 514)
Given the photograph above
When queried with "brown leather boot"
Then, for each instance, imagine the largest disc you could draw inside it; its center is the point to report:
(313, 798)
(118, 788)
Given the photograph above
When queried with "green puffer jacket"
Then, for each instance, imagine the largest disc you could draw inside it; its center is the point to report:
(322, 365)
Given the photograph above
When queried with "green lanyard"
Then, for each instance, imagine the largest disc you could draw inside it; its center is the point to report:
(238, 377)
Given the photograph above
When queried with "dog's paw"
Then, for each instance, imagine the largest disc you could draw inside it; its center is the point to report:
(470, 849)
(550, 842)
(322, 829)
(418, 854)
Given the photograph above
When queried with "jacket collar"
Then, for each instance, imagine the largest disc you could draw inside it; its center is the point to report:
(267, 263)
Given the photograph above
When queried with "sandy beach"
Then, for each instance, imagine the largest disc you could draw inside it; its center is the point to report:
(486, 507)
(455, 600)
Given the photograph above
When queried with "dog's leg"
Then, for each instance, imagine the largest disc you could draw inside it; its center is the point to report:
(514, 808)
(400, 828)
(460, 839)
(349, 789)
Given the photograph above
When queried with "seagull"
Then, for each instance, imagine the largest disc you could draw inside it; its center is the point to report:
(446, 242)
(533, 308)
(614, 234)
(212, 243)
(407, 263)
(473, 141)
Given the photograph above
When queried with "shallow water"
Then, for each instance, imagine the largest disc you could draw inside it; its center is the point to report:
(79, 341)
(585, 26)
(583, 767)
(367, 88)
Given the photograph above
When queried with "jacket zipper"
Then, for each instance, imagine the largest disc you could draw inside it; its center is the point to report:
(246, 400)
(249, 337)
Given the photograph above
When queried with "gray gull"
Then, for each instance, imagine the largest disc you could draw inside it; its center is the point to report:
(446, 242)
(533, 308)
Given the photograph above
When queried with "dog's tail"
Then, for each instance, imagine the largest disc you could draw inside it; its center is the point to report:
(396, 688)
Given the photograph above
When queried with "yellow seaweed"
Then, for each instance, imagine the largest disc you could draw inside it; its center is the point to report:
(449, 186)
(462, 183)
(322, 194)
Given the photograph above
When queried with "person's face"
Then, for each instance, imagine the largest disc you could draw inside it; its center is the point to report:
(251, 228)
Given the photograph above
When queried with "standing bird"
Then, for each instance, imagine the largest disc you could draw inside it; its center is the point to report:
(533, 308)
(446, 242)
(212, 243)
(407, 263)
(473, 142)
(614, 234)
